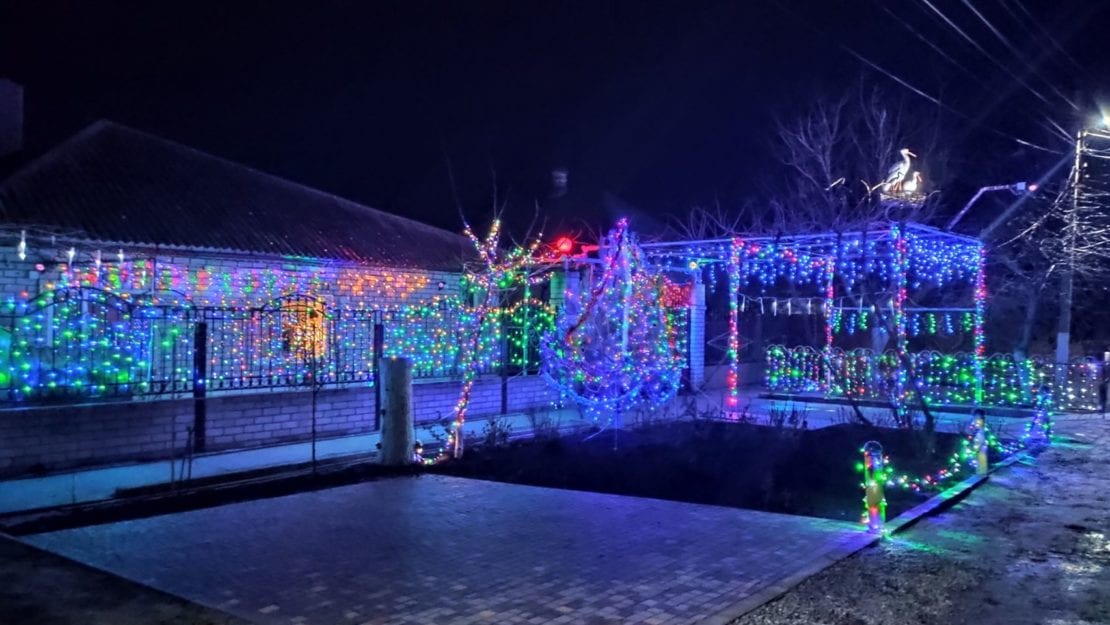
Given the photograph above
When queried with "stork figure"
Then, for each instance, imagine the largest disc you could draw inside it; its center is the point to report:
(898, 173)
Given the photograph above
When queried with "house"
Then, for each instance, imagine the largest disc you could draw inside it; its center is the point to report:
(155, 298)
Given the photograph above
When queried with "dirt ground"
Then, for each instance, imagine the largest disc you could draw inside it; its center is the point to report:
(1030, 546)
(787, 470)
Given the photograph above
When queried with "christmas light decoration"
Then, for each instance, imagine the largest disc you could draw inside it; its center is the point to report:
(875, 475)
(621, 351)
(564, 245)
(877, 271)
(1039, 431)
(942, 378)
(733, 381)
(498, 271)
(93, 343)
(212, 284)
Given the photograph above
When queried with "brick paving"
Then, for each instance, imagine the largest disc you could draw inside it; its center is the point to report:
(452, 551)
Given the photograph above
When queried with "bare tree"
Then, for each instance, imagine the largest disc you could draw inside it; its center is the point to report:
(837, 154)
(1048, 247)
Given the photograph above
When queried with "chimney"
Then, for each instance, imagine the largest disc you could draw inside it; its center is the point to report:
(559, 182)
(11, 117)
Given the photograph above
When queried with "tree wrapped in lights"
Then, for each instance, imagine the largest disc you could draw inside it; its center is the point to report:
(620, 351)
(497, 271)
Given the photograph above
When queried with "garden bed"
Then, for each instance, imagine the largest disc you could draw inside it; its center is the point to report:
(806, 472)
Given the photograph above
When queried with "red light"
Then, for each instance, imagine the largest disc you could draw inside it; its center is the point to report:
(1032, 187)
(564, 245)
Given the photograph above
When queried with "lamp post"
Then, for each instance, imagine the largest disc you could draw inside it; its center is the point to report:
(1017, 188)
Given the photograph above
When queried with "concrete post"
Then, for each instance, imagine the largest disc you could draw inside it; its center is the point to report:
(695, 351)
(397, 420)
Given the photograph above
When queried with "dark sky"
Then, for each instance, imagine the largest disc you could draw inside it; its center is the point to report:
(663, 104)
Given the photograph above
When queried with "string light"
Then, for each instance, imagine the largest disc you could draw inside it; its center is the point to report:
(622, 351)
(941, 378)
(904, 257)
(498, 271)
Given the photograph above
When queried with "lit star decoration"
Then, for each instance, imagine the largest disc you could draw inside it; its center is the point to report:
(622, 350)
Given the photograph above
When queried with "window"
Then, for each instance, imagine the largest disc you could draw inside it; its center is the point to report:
(304, 328)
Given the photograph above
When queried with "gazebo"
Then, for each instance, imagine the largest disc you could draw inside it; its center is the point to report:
(892, 278)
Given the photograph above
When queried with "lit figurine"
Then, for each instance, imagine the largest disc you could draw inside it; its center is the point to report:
(1039, 431)
(874, 479)
(979, 441)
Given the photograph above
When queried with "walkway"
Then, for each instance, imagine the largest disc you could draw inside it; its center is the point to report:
(100, 483)
(435, 549)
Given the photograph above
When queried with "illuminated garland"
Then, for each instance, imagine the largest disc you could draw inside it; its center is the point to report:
(899, 261)
(878, 472)
(944, 379)
(733, 381)
(979, 339)
(97, 344)
(966, 455)
(91, 343)
(215, 284)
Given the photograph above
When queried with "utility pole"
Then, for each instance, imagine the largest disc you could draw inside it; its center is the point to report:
(1071, 237)
(1067, 286)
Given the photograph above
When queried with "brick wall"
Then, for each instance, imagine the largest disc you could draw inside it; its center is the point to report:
(54, 438)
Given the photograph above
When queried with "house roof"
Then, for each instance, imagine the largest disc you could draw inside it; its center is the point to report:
(116, 184)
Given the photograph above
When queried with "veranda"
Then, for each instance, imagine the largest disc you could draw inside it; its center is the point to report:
(883, 297)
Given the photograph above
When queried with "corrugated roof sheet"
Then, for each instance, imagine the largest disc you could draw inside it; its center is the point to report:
(113, 183)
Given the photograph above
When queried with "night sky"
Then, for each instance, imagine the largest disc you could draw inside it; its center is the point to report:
(662, 104)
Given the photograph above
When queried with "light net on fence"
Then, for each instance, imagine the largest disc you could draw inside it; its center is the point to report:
(80, 343)
(942, 378)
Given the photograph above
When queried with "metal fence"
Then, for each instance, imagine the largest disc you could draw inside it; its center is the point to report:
(75, 344)
(943, 378)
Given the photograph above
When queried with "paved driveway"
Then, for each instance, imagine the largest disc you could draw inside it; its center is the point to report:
(444, 550)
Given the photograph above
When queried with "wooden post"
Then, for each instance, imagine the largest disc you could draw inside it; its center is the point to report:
(397, 419)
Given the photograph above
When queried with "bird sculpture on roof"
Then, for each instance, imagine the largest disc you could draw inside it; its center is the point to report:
(898, 173)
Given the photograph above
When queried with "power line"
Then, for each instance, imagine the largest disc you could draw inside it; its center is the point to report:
(1017, 53)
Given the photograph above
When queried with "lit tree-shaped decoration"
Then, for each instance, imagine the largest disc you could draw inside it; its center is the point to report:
(619, 352)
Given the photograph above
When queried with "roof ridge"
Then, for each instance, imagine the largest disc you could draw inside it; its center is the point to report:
(51, 155)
